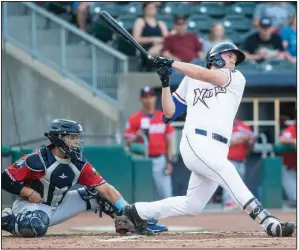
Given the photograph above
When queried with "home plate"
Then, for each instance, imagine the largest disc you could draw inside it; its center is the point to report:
(109, 229)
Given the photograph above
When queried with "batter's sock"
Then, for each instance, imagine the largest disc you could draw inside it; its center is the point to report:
(270, 224)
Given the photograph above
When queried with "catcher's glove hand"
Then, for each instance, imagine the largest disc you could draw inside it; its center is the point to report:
(123, 225)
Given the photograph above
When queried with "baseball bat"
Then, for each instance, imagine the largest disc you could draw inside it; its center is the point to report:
(115, 26)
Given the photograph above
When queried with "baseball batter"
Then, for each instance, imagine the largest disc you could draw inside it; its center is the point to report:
(43, 180)
(211, 97)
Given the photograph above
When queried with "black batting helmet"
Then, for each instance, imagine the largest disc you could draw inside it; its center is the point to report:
(59, 129)
(214, 58)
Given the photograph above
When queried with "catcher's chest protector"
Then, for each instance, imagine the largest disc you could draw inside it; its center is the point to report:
(60, 176)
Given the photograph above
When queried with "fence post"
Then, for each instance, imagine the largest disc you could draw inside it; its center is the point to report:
(4, 20)
(33, 33)
(63, 49)
(94, 68)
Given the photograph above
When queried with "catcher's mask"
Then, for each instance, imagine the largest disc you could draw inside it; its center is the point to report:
(67, 135)
(214, 55)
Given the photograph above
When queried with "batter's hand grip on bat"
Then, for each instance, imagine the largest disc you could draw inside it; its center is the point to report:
(115, 26)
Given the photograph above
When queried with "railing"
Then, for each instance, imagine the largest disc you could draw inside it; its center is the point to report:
(74, 53)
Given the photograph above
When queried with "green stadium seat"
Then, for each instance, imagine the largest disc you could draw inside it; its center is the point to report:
(236, 37)
(101, 31)
(169, 20)
(237, 22)
(127, 22)
(212, 9)
(199, 23)
(112, 8)
(176, 8)
(243, 8)
(124, 47)
(133, 8)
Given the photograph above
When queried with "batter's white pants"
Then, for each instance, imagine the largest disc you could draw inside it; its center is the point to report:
(207, 159)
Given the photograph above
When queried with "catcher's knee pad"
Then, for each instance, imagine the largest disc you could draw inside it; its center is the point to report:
(104, 204)
(87, 194)
(31, 224)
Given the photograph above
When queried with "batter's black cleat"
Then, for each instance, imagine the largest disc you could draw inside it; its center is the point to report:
(288, 229)
(281, 229)
(139, 224)
(7, 219)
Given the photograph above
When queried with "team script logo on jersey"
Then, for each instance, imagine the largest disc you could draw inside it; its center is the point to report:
(202, 94)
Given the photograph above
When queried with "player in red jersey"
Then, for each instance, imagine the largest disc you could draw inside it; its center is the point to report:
(149, 122)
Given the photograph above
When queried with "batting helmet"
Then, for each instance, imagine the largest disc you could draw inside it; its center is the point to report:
(214, 55)
(60, 128)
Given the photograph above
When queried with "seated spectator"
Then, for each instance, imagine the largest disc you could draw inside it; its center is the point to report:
(289, 39)
(289, 170)
(264, 44)
(150, 32)
(278, 12)
(82, 13)
(217, 35)
(173, 44)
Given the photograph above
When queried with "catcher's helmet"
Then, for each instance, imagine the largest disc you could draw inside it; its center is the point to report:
(214, 58)
(58, 131)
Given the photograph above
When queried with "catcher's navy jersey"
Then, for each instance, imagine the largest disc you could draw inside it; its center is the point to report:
(51, 176)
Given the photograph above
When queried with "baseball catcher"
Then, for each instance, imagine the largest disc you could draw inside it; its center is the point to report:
(42, 181)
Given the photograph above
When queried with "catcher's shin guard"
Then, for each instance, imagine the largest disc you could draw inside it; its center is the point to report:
(30, 224)
(140, 225)
(270, 224)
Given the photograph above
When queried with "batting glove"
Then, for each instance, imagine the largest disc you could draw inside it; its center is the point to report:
(161, 61)
(164, 73)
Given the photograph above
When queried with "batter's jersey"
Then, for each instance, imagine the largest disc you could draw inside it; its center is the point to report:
(52, 177)
(210, 107)
(156, 129)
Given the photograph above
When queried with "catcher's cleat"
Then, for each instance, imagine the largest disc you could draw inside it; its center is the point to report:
(140, 224)
(7, 219)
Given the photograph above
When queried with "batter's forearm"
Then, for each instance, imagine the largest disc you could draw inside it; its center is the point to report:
(200, 73)
(167, 103)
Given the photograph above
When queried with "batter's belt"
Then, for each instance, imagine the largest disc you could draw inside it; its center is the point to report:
(215, 136)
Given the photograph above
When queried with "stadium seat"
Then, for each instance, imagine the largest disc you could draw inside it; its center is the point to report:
(243, 8)
(237, 22)
(100, 30)
(124, 47)
(169, 20)
(176, 8)
(133, 8)
(236, 37)
(127, 22)
(112, 8)
(212, 9)
(199, 23)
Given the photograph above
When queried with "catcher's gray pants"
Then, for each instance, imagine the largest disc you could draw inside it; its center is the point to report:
(162, 182)
(71, 205)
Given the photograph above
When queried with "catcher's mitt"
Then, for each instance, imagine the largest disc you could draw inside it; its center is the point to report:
(123, 225)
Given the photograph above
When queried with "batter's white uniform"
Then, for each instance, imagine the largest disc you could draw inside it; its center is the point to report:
(212, 109)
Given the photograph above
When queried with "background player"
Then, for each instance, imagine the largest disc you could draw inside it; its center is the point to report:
(43, 180)
(211, 97)
(149, 123)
